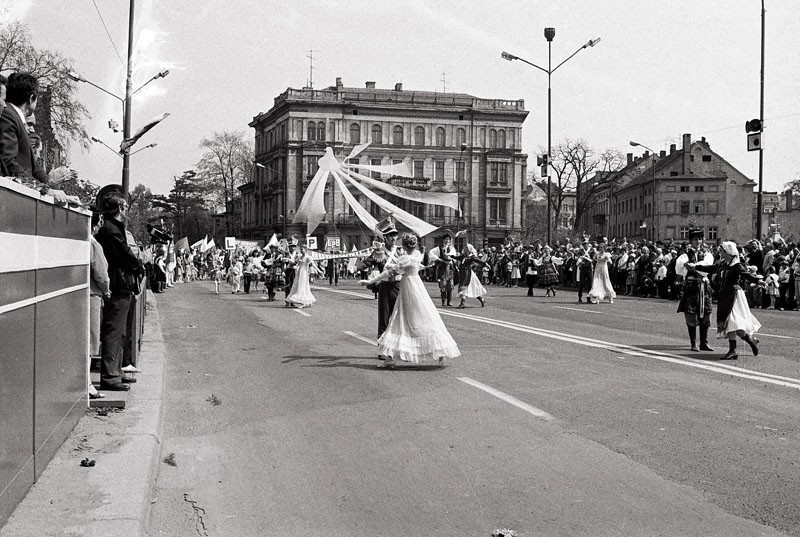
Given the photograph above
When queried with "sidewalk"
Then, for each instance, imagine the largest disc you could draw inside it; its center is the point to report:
(112, 498)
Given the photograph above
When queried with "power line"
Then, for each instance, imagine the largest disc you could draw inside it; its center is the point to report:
(108, 33)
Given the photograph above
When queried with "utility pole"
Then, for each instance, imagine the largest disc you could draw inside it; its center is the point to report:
(126, 125)
(310, 57)
(760, 204)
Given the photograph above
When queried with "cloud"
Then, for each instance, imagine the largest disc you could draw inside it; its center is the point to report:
(15, 10)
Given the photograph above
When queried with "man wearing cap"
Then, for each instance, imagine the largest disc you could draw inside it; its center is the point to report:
(696, 301)
(389, 286)
(288, 260)
(443, 258)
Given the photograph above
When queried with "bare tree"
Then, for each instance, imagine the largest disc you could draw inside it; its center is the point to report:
(67, 115)
(226, 164)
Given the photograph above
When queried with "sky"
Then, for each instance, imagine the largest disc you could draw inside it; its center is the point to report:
(662, 69)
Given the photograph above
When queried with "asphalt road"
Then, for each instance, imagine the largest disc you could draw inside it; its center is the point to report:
(559, 419)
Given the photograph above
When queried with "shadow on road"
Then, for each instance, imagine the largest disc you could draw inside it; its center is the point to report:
(356, 362)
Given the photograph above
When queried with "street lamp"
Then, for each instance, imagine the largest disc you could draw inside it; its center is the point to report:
(549, 34)
(99, 141)
(460, 183)
(655, 213)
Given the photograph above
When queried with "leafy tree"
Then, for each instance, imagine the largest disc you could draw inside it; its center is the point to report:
(226, 164)
(67, 115)
(185, 207)
(141, 212)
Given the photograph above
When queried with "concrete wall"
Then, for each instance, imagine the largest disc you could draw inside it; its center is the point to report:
(44, 333)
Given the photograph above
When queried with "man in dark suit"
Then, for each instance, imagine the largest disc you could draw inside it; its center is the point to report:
(3, 81)
(16, 151)
(124, 269)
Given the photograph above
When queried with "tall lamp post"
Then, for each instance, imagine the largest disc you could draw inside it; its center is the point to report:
(549, 34)
(655, 213)
(460, 186)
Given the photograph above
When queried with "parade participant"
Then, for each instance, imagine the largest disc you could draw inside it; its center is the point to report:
(288, 261)
(469, 286)
(373, 265)
(548, 271)
(584, 268)
(388, 286)
(530, 270)
(271, 264)
(601, 282)
(695, 303)
(415, 331)
(444, 257)
(733, 314)
(300, 295)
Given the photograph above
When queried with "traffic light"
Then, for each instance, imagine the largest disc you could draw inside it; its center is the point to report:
(753, 129)
(542, 160)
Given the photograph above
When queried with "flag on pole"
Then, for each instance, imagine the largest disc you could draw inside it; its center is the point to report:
(199, 243)
(273, 241)
(182, 244)
(127, 143)
(353, 263)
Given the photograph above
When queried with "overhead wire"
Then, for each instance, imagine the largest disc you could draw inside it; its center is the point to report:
(108, 33)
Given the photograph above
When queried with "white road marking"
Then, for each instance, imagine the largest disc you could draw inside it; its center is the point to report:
(777, 336)
(301, 312)
(361, 338)
(605, 312)
(635, 351)
(367, 296)
(510, 399)
(576, 309)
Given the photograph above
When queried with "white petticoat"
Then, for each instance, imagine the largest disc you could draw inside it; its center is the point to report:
(416, 331)
(474, 289)
(740, 318)
(300, 293)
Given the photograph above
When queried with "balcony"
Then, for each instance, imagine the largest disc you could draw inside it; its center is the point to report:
(416, 183)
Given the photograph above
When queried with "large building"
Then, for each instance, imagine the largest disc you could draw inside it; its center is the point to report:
(690, 186)
(448, 140)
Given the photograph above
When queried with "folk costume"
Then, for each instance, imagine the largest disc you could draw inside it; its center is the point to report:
(389, 287)
(601, 282)
(300, 295)
(548, 272)
(444, 258)
(415, 331)
(733, 313)
(695, 303)
(273, 274)
(530, 270)
(469, 285)
(288, 260)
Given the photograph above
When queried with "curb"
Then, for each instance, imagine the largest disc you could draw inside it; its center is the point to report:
(115, 496)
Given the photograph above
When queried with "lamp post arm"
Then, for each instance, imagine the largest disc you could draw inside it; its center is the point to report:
(117, 97)
(533, 64)
(568, 58)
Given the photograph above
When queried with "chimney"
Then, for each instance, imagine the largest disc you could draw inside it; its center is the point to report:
(398, 86)
(687, 145)
(646, 154)
(370, 85)
(630, 159)
(672, 148)
(339, 84)
(663, 153)
(788, 200)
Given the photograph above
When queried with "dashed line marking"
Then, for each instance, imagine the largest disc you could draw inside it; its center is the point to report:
(510, 399)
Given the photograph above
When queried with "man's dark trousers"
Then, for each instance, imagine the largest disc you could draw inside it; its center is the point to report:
(112, 335)
(387, 296)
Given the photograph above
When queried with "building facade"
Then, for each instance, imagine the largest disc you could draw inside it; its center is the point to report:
(451, 143)
(659, 197)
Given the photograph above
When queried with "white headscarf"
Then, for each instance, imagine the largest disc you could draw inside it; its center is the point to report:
(471, 250)
(729, 247)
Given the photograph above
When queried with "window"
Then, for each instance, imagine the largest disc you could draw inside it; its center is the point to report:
(685, 189)
(440, 137)
(372, 173)
(685, 207)
(713, 188)
(320, 131)
(670, 188)
(419, 169)
(713, 206)
(311, 167)
(497, 211)
(417, 209)
(706, 158)
(397, 135)
(713, 233)
(419, 136)
(438, 175)
(669, 208)
(670, 232)
(492, 138)
(691, 158)
(461, 134)
(699, 207)
(501, 139)
(497, 173)
(377, 134)
(699, 188)
(460, 172)
(673, 174)
(438, 211)
(312, 131)
(355, 133)
(684, 232)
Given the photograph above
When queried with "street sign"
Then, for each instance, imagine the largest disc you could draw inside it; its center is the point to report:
(311, 243)
(333, 243)
(230, 243)
(754, 141)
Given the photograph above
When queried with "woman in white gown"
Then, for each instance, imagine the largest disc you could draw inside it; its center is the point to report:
(601, 283)
(415, 331)
(300, 295)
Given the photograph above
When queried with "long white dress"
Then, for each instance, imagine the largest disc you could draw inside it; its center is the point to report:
(300, 294)
(601, 283)
(415, 331)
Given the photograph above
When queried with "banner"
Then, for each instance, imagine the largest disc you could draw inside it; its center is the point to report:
(182, 244)
(319, 256)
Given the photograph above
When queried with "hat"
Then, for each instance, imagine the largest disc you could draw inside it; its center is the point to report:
(696, 233)
(385, 226)
(293, 242)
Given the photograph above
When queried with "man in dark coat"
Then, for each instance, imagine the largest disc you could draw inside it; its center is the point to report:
(124, 269)
(3, 169)
(695, 303)
(444, 258)
(389, 283)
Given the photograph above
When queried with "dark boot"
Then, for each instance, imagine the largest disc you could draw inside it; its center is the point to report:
(693, 337)
(731, 351)
(444, 297)
(753, 342)
(704, 346)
